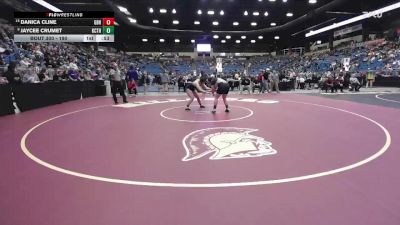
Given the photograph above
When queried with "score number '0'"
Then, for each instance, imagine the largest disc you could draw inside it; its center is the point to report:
(108, 21)
(104, 22)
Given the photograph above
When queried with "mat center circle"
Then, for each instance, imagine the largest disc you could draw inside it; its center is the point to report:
(198, 115)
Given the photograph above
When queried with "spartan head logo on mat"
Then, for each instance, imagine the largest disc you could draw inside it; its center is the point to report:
(225, 143)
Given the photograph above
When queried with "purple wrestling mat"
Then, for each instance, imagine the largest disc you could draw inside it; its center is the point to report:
(275, 159)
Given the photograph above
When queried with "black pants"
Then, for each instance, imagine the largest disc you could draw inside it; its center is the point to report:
(132, 91)
(117, 87)
(257, 87)
(331, 87)
(181, 85)
(340, 87)
(355, 87)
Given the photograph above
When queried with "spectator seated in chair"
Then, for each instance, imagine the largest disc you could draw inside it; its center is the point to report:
(11, 75)
(233, 83)
(256, 85)
(245, 84)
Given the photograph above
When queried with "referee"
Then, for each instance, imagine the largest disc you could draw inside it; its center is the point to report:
(116, 83)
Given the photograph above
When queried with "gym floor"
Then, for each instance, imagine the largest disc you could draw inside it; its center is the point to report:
(277, 158)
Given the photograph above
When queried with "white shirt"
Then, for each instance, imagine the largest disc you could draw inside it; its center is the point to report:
(116, 74)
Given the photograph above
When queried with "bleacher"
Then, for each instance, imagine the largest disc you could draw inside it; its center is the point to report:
(203, 66)
(180, 67)
(151, 67)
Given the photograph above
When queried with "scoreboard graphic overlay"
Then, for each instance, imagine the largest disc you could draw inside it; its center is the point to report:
(64, 26)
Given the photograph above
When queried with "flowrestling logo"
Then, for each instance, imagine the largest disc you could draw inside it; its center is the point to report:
(225, 143)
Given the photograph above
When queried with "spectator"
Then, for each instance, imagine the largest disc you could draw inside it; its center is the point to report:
(30, 75)
(50, 72)
(73, 74)
(145, 80)
(256, 85)
(3, 80)
(301, 81)
(354, 83)
(329, 84)
(165, 78)
(370, 79)
(265, 80)
(245, 84)
(64, 75)
(275, 81)
(11, 76)
(261, 78)
(309, 80)
(87, 75)
(181, 83)
(42, 75)
(57, 76)
(339, 83)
